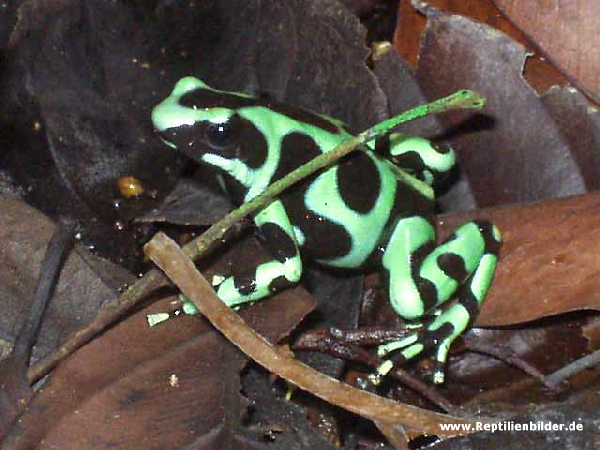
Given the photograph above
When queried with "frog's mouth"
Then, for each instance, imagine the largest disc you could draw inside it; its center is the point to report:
(185, 139)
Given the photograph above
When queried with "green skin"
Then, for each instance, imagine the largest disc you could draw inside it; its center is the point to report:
(373, 208)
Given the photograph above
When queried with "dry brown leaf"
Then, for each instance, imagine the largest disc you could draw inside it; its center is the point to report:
(566, 31)
(170, 386)
(517, 153)
(24, 234)
(178, 382)
(549, 262)
(538, 72)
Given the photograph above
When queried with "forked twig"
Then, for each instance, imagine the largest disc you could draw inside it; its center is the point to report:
(392, 416)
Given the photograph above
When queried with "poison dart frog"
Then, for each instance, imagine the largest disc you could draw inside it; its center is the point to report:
(374, 208)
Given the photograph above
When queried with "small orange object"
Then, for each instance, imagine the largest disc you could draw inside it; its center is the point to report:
(130, 186)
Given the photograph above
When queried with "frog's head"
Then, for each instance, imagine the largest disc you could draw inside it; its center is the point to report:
(205, 124)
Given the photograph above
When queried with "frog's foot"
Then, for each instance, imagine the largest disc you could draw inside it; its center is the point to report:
(187, 307)
(445, 328)
(438, 335)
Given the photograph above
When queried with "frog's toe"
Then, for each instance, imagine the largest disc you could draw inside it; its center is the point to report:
(439, 339)
(187, 307)
(409, 346)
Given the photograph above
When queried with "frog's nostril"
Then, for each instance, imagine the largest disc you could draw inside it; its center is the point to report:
(170, 134)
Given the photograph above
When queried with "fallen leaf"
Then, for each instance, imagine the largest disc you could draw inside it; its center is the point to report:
(549, 261)
(539, 73)
(15, 390)
(472, 373)
(191, 203)
(579, 123)
(566, 32)
(517, 153)
(171, 386)
(288, 419)
(15, 386)
(24, 234)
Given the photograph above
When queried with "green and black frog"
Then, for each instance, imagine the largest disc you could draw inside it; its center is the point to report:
(375, 208)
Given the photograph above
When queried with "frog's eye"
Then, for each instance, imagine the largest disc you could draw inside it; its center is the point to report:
(220, 135)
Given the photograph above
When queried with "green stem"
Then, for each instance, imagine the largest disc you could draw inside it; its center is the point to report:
(464, 99)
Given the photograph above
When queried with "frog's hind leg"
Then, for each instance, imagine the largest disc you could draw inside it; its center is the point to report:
(423, 276)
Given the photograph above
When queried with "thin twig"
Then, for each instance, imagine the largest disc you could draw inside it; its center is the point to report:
(57, 251)
(327, 342)
(557, 378)
(370, 335)
(507, 355)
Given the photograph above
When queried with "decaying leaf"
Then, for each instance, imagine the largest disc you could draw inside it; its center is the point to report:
(550, 259)
(23, 242)
(24, 234)
(15, 385)
(538, 72)
(517, 145)
(271, 407)
(579, 123)
(472, 373)
(173, 385)
(191, 203)
(566, 31)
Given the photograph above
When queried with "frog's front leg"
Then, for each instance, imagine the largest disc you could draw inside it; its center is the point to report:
(285, 269)
(423, 276)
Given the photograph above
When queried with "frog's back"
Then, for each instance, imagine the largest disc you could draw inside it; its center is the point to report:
(344, 214)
